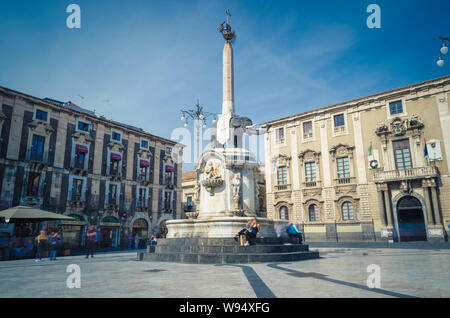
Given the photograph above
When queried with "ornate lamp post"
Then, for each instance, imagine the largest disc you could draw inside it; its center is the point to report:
(443, 50)
(199, 116)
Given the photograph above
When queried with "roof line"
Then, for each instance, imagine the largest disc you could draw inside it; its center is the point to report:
(110, 122)
(356, 99)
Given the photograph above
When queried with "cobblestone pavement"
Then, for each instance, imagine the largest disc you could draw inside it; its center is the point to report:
(340, 272)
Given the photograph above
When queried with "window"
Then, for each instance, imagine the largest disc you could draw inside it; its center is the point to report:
(310, 171)
(343, 169)
(167, 200)
(169, 150)
(347, 211)
(168, 177)
(280, 134)
(83, 126)
(396, 107)
(141, 198)
(402, 154)
(144, 143)
(282, 176)
(112, 198)
(284, 213)
(142, 172)
(115, 136)
(79, 160)
(77, 186)
(339, 120)
(41, 115)
(37, 148)
(189, 204)
(114, 168)
(307, 129)
(313, 212)
(33, 184)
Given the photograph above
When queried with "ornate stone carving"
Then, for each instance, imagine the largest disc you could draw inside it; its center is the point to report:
(213, 178)
(309, 155)
(341, 150)
(399, 127)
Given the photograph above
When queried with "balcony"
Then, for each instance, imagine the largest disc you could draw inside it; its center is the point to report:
(77, 167)
(283, 187)
(311, 184)
(36, 158)
(115, 174)
(142, 205)
(407, 174)
(112, 202)
(346, 184)
(143, 179)
(76, 200)
(312, 188)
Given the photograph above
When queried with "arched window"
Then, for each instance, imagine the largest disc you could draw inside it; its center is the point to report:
(284, 213)
(347, 211)
(313, 212)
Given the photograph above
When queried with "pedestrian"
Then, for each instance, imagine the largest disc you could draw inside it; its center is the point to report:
(130, 240)
(41, 240)
(294, 232)
(54, 243)
(91, 238)
(152, 240)
(136, 241)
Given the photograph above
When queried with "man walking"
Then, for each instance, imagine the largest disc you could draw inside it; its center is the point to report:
(41, 240)
(91, 238)
(54, 242)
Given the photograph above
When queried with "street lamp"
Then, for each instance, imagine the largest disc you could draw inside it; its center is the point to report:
(443, 50)
(198, 115)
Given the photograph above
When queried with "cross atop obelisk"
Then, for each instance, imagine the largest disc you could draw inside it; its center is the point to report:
(227, 12)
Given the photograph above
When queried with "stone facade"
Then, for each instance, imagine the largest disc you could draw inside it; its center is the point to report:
(357, 170)
(65, 159)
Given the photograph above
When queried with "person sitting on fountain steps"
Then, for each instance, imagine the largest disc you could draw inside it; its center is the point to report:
(294, 232)
(250, 232)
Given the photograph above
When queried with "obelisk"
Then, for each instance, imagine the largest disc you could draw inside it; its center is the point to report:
(223, 124)
(228, 80)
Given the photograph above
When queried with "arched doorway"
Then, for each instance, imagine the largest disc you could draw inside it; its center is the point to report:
(109, 231)
(140, 227)
(411, 222)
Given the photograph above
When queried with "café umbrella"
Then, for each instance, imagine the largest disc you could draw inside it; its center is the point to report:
(30, 214)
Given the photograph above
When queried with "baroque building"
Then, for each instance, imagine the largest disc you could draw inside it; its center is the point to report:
(62, 158)
(366, 169)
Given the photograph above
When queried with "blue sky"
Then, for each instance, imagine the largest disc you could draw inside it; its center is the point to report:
(139, 62)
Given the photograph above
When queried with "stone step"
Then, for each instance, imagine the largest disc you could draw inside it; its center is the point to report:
(254, 249)
(227, 258)
(223, 241)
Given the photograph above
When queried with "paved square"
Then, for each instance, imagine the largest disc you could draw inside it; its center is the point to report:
(340, 272)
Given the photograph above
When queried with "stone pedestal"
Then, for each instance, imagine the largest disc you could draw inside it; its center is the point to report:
(435, 233)
(222, 227)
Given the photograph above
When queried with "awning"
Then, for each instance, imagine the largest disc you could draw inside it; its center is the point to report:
(31, 214)
(116, 157)
(170, 169)
(81, 149)
(144, 163)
